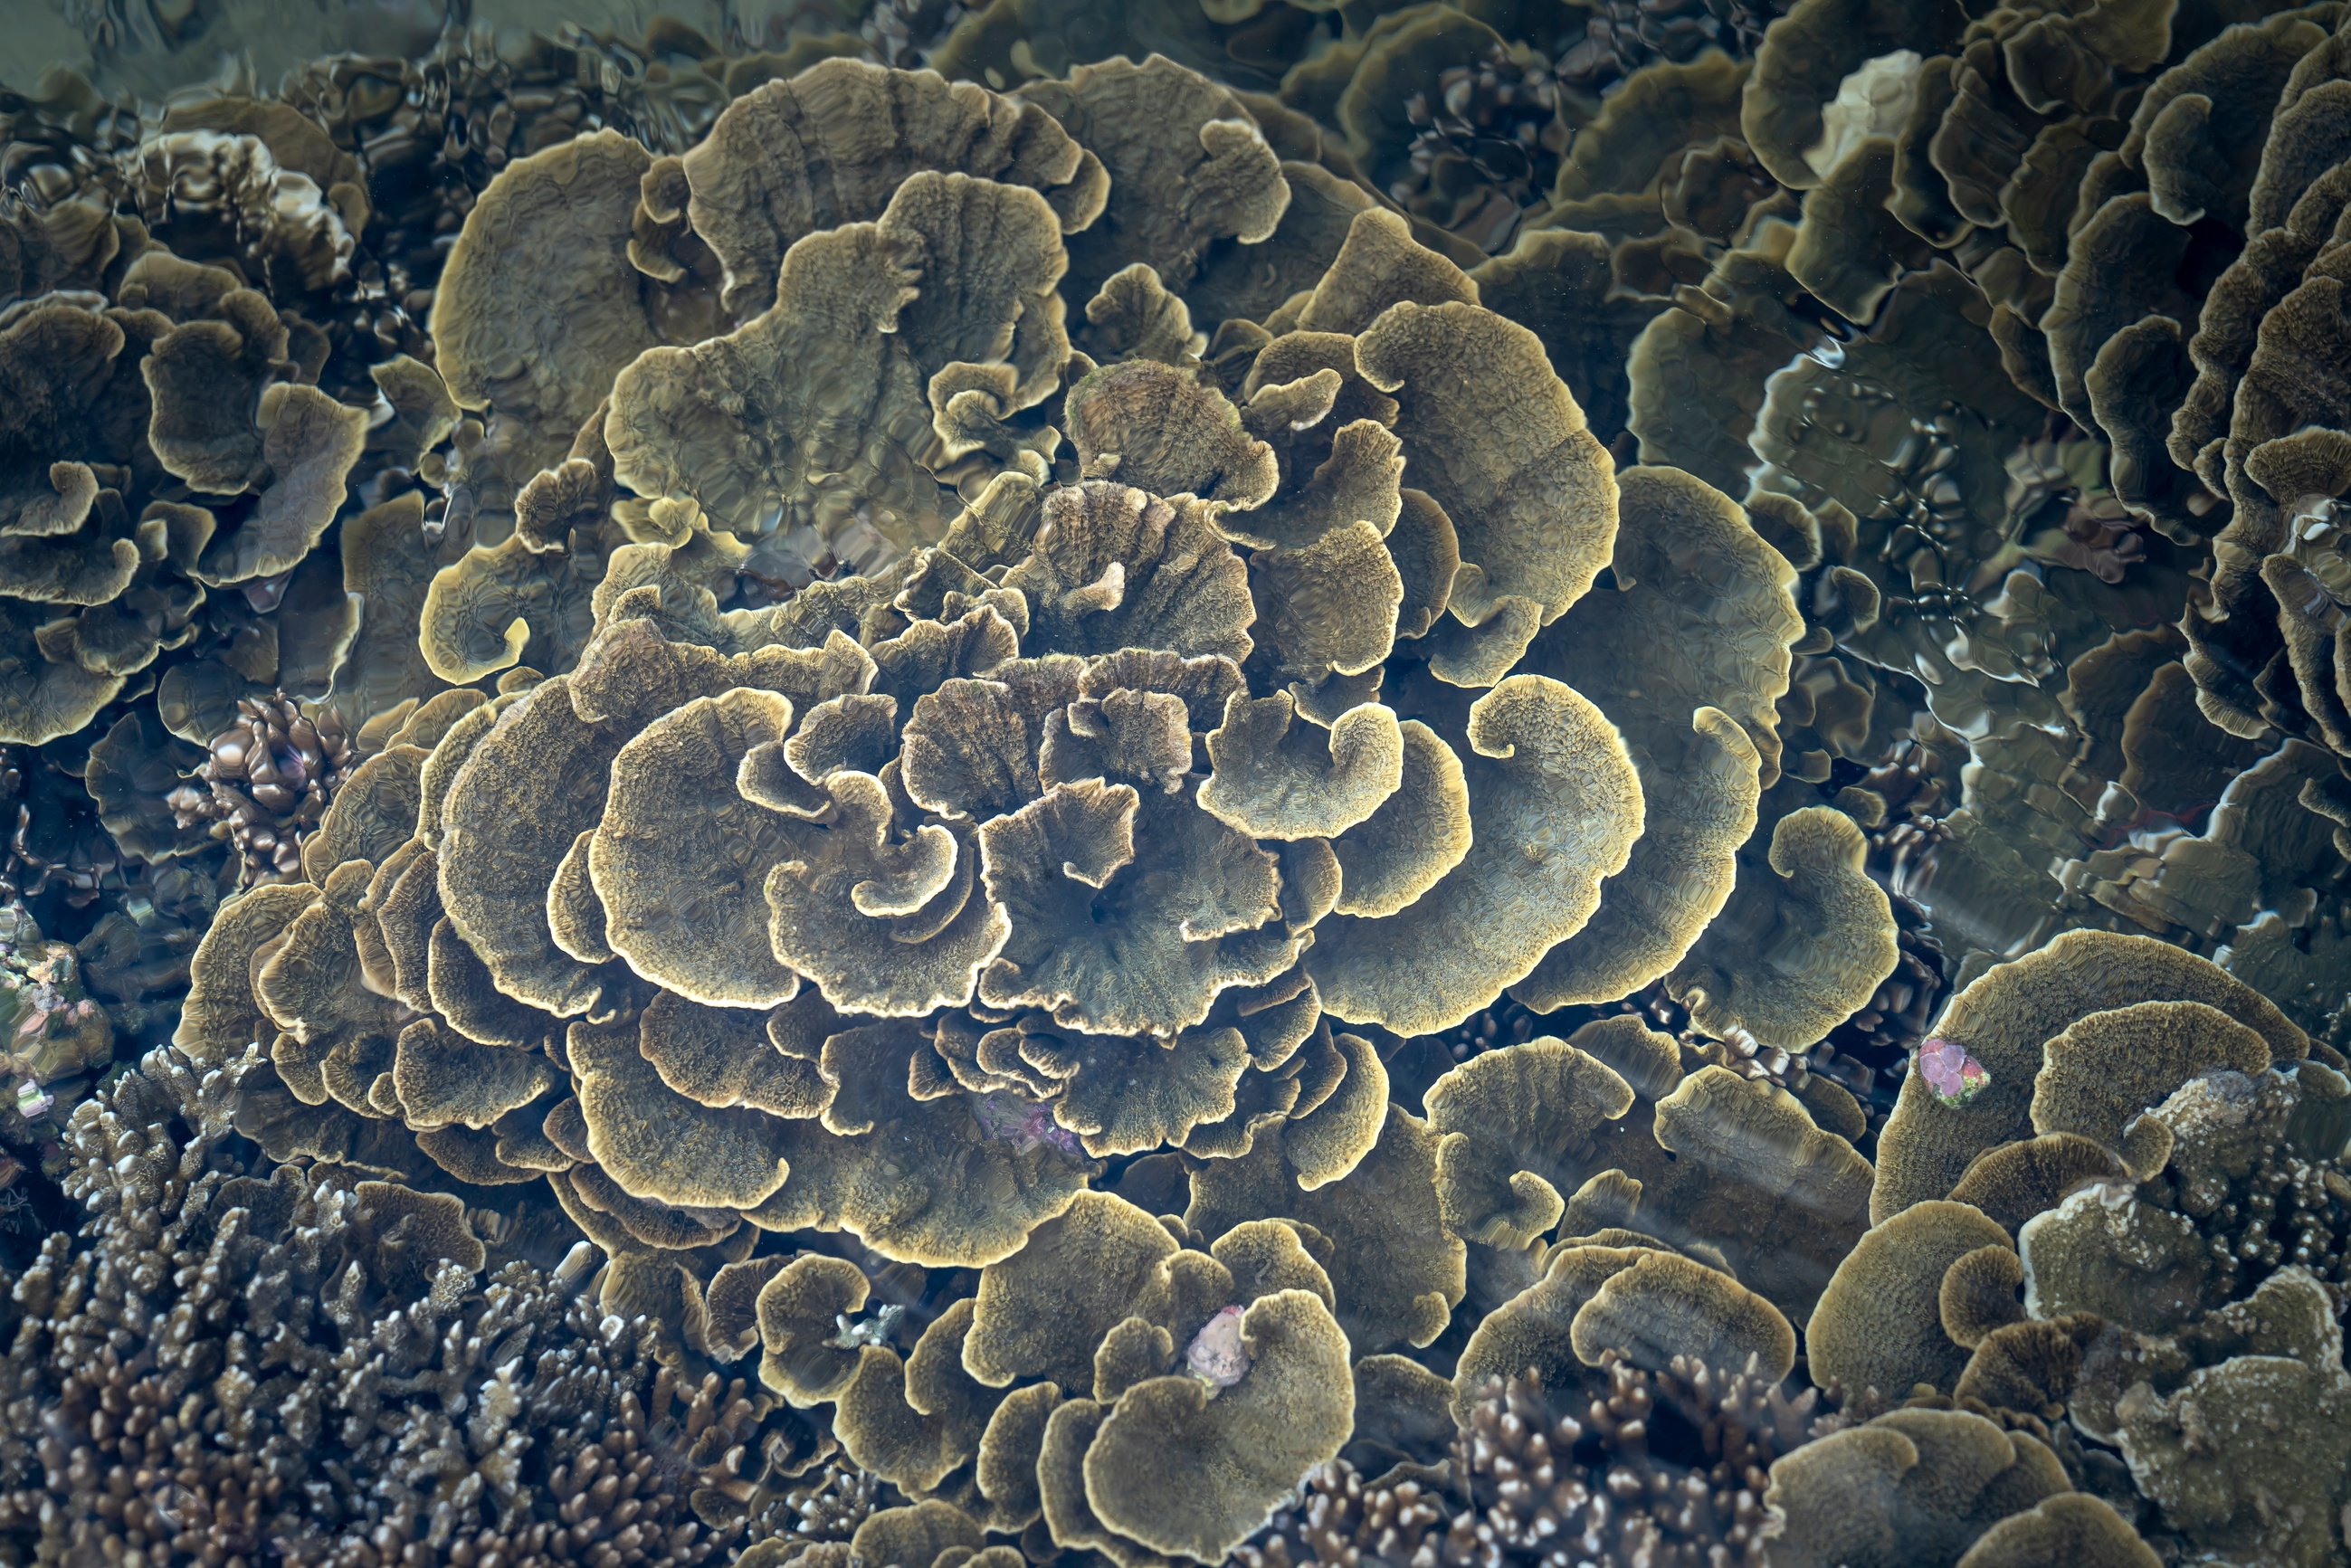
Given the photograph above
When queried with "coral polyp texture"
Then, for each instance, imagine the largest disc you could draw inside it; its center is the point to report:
(1213, 781)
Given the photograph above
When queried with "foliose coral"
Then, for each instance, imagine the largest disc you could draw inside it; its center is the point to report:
(1251, 779)
(1112, 801)
(2130, 274)
(224, 410)
(2149, 1188)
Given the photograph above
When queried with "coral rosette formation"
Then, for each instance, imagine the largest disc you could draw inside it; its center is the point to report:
(1532, 788)
(1115, 810)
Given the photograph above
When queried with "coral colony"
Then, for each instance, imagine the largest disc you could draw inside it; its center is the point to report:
(1213, 781)
(1955, 1077)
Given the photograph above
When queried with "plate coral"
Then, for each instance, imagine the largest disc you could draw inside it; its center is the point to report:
(1219, 782)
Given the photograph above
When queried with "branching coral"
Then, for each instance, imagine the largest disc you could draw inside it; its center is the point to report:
(1666, 1466)
(192, 1371)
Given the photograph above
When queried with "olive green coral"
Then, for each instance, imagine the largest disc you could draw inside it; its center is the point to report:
(1069, 798)
(1085, 800)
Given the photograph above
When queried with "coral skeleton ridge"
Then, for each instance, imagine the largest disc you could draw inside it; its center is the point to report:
(1217, 781)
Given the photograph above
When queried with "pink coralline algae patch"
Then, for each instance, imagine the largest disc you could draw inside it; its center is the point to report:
(1024, 1124)
(1954, 1075)
(1216, 1355)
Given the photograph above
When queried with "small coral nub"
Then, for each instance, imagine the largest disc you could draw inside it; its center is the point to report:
(1954, 1075)
(1216, 1355)
(1025, 1124)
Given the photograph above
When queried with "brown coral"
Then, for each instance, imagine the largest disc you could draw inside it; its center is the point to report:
(1913, 1486)
(384, 1325)
(2006, 1018)
(1087, 793)
(266, 781)
(1663, 1467)
(1028, 658)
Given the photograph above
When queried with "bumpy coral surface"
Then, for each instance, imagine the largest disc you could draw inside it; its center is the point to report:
(202, 1371)
(1667, 1468)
